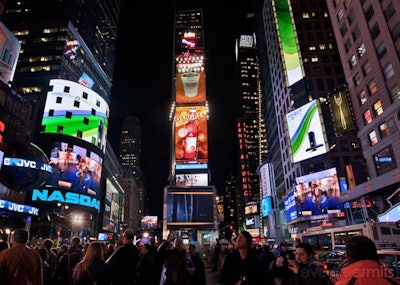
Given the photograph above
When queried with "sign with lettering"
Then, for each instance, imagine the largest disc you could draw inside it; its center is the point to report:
(20, 208)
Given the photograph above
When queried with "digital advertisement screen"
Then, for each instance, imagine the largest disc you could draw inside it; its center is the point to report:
(9, 50)
(290, 207)
(341, 111)
(191, 207)
(149, 222)
(306, 132)
(267, 181)
(288, 41)
(110, 217)
(75, 168)
(193, 179)
(74, 110)
(191, 134)
(266, 206)
(318, 193)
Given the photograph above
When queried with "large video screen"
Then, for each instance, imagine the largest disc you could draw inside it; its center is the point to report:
(341, 112)
(75, 168)
(318, 193)
(191, 134)
(306, 132)
(190, 207)
(74, 110)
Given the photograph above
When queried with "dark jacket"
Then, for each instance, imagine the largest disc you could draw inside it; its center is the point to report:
(99, 273)
(123, 263)
(145, 270)
(199, 275)
(251, 267)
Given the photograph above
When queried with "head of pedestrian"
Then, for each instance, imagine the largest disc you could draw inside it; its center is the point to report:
(304, 253)
(192, 249)
(361, 248)
(178, 243)
(21, 236)
(244, 240)
(128, 236)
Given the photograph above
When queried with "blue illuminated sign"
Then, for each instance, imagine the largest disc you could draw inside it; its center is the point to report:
(20, 208)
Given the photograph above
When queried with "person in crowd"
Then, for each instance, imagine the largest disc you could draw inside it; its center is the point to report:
(243, 266)
(4, 245)
(145, 269)
(44, 255)
(267, 256)
(109, 250)
(216, 255)
(123, 262)
(198, 276)
(285, 252)
(68, 261)
(176, 271)
(297, 241)
(301, 269)
(92, 269)
(364, 267)
(52, 259)
(20, 264)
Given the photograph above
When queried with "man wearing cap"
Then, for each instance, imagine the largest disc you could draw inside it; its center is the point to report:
(20, 264)
(285, 252)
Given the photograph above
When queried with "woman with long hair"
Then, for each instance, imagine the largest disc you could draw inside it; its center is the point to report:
(92, 269)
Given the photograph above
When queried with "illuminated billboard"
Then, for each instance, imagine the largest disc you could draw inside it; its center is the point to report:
(110, 214)
(318, 193)
(306, 132)
(189, 207)
(288, 41)
(9, 51)
(267, 179)
(341, 112)
(192, 179)
(191, 134)
(290, 207)
(74, 110)
(149, 222)
(75, 167)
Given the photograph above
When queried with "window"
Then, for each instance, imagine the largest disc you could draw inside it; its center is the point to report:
(322, 46)
(372, 87)
(384, 161)
(388, 71)
(389, 11)
(384, 130)
(355, 33)
(353, 61)
(395, 92)
(347, 45)
(396, 32)
(381, 49)
(367, 117)
(351, 17)
(369, 13)
(357, 79)
(373, 140)
(375, 31)
(362, 97)
(314, 59)
(361, 50)
(340, 14)
(378, 107)
(343, 29)
(306, 16)
(366, 67)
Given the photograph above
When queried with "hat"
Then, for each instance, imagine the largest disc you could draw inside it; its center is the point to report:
(284, 243)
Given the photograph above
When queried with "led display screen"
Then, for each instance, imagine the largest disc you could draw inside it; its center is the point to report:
(191, 134)
(110, 214)
(266, 206)
(290, 207)
(341, 111)
(288, 41)
(192, 179)
(306, 132)
(9, 50)
(149, 222)
(74, 110)
(191, 207)
(318, 193)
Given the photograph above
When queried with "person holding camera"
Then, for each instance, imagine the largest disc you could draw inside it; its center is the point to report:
(299, 270)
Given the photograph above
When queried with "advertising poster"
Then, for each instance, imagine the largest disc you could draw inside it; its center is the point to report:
(306, 132)
(341, 111)
(318, 193)
(191, 134)
(290, 207)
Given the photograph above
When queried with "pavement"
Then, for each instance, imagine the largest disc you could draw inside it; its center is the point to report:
(212, 277)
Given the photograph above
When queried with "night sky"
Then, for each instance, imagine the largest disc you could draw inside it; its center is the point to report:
(142, 86)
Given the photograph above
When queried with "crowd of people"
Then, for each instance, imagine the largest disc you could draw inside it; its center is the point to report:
(169, 263)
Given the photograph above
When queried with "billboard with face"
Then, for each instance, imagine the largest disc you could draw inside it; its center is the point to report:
(306, 132)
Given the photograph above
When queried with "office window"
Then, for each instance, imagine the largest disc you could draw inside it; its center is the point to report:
(361, 50)
(367, 117)
(306, 16)
(340, 14)
(355, 33)
(353, 61)
(378, 108)
(395, 92)
(357, 79)
(372, 87)
(375, 31)
(373, 140)
(314, 59)
(351, 17)
(366, 67)
(396, 32)
(381, 49)
(384, 130)
(322, 46)
(369, 13)
(384, 161)
(389, 11)
(347, 45)
(356, 145)
(388, 71)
